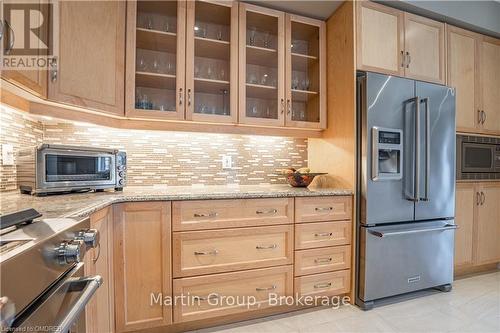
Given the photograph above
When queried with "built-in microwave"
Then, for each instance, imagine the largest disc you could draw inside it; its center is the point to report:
(478, 157)
(51, 168)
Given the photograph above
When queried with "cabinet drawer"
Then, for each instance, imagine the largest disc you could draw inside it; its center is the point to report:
(322, 260)
(312, 235)
(210, 295)
(317, 209)
(327, 284)
(214, 251)
(214, 214)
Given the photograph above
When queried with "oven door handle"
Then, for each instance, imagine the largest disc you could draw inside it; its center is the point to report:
(90, 286)
(413, 231)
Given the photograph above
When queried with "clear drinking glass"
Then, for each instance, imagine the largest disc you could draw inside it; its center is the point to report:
(253, 34)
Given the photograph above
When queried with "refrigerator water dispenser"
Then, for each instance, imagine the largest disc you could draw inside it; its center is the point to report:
(387, 155)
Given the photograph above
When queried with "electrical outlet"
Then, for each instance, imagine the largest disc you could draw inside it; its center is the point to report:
(7, 154)
(227, 162)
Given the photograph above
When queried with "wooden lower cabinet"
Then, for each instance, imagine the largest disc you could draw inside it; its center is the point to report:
(99, 261)
(142, 264)
(477, 215)
(218, 295)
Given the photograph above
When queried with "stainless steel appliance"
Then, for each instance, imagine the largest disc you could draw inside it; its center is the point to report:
(478, 157)
(58, 168)
(43, 287)
(406, 179)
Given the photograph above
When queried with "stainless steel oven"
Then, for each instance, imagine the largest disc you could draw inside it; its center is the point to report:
(478, 157)
(57, 168)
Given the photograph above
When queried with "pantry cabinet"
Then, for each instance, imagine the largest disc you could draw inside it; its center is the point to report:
(99, 261)
(142, 264)
(489, 67)
(89, 69)
(477, 215)
(473, 69)
(488, 224)
(396, 43)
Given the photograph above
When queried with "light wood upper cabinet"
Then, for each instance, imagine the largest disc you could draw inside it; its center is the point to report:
(34, 81)
(396, 43)
(424, 48)
(463, 75)
(212, 61)
(488, 224)
(261, 66)
(380, 38)
(142, 263)
(465, 206)
(305, 74)
(489, 64)
(90, 67)
(155, 75)
(99, 311)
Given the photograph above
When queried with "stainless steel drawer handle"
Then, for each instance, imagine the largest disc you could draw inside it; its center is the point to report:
(322, 285)
(269, 211)
(323, 234)
(323, 209)
(206, 253)
(205, 215)
(206, 298)
(323, 260)
(266, 247)
(411, 231)
(267, 288)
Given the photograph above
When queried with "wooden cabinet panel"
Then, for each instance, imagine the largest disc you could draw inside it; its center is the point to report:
(142, 261)
(424, 45)
(90, 67)
(465, 205)
(215, 214)
(490, 83)
(316, 209)
(34, 81)
(257, 283)
(205, 252)
(312, 235)
(322, 260)
(463, 75)
(380, 38)
(99, 261)
(488, 225)
(325, 284)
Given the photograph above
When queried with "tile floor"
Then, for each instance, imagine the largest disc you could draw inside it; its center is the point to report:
(472, 306)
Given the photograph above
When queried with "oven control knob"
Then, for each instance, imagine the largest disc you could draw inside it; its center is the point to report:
(70, 252)
(120, 182)
(121, 173)
(90, 237)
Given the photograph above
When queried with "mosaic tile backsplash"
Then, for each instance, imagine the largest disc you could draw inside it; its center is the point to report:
(160, 157)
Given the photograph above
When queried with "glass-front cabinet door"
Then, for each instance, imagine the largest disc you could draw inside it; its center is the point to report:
(262, 60)
(305, 72)
(212, 61)
(156, 59)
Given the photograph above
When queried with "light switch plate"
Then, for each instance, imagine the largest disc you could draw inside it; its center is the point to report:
(227, 162)
(7, 154)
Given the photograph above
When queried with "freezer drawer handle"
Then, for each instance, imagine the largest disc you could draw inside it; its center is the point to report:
(408, 232)
(92, 284)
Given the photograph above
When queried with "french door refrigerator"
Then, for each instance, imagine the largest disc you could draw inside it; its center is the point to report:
(406, 186)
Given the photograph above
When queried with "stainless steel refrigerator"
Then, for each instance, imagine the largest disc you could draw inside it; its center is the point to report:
(406, 186)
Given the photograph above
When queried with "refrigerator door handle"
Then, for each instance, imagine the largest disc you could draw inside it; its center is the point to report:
(416, 158)
(427, 148)
(382, 234)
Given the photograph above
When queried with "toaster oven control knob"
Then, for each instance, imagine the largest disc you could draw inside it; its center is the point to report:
(120, 182)
(90, 237)
(121, 173)
(70, 252)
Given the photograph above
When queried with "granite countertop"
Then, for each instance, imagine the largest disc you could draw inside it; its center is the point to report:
(83, 204)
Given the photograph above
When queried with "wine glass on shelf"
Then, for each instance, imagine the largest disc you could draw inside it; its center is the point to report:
(166, 24)
(295, 83)
(267, 40)
(219, 32)
(149, 23)
(252, 36)
(141, 64)
(156, 66)
(306, 84)
(196, 70)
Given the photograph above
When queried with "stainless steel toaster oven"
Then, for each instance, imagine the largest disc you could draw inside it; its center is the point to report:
(51, 168)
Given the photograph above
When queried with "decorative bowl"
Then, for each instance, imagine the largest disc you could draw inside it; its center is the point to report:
(301, 179)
